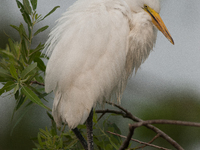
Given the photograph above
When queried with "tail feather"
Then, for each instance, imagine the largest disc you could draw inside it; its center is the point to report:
(70, 107)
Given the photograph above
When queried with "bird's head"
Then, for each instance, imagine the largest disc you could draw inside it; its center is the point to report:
(152, 8)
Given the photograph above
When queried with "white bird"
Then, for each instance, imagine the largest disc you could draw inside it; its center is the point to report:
(94, 48)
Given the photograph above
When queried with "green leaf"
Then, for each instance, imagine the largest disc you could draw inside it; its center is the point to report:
(70, 145)
(20, 102)
(13, 71)
(19, 4)
(40, 140)
(5, 75)
(40, 64)
(8, 55)
(34, 4)
(5, 79)
(22, 31)
(15, 27)
(109, 146)
(116, 128)
(40, 30)
(45, 132)
(25, 11)
(12, 47)
(25, 79)
(33, 97)
(24, 50)
(27, 7)
(28, 70)
(27, 18)
(38, 17)
(36, 50)
(39, 79)
(4, 65)
(19, 119)
(34, 73)
(38, 93)
(7, 87)
(20, 65)
(17, 95)
(50, 115)
(16, 88)
(113, 144)
(50, 12)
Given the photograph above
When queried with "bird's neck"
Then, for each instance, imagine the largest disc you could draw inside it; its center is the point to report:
(140, 44)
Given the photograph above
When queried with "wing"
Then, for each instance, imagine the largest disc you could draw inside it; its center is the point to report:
(89, 47)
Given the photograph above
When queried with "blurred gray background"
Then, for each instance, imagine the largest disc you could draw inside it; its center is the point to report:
(169, 70)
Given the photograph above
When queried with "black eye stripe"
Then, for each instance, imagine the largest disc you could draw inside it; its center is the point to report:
(152, 15)
(157, 22)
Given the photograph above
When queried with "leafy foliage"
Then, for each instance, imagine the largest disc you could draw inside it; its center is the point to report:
(53, 138)
(21, 65)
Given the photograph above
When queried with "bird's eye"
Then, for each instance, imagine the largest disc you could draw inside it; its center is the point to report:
(145, 6)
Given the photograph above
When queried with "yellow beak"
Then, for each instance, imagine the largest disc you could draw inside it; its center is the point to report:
(158, 22)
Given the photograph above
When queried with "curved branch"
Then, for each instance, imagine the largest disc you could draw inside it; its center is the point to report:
(161, 121)
(127, 141)
(157, 136)
(144, 143)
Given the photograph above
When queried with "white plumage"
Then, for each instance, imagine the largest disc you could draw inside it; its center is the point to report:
(94, 48)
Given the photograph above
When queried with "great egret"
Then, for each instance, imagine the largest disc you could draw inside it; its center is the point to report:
(94, 48)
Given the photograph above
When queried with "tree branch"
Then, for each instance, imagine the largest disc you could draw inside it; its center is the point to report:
(127, 141)
(157, 136)
(146, 144)
(127, 114)
(173, 122)
(36, 82)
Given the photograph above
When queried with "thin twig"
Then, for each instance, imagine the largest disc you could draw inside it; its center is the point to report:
(101, 116)
(110, 111)
(118, 106)
(63, 128)
(143, 146)
(36, 82)
(146, 144)
(155, 137)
